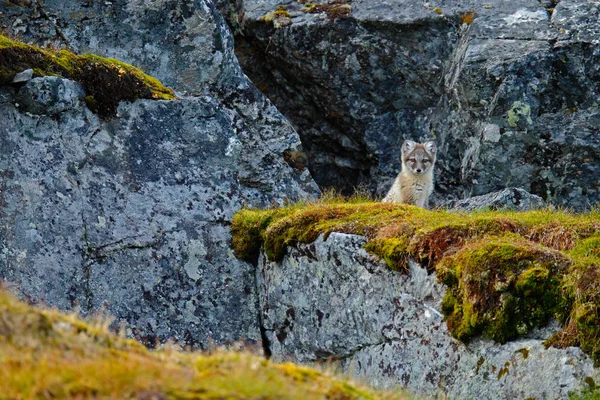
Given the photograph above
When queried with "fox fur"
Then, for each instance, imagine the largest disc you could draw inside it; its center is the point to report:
(414, 183)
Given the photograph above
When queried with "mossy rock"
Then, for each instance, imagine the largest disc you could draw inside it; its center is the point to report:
(507, 272)
(501, 286)
(106, 81)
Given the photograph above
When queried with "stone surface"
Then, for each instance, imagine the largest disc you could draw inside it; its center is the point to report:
(509, 91)
(49, 95)
(331, 300)
(131, 215)
(189, 47)
(23, 76)
(508, 199)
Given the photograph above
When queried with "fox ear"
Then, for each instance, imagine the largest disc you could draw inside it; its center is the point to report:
(407, 146)
(431, 147)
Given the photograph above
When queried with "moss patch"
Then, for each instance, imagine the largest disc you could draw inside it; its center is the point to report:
(106, 81)
(45, 354)
(507, 272)
(279, 17)
(333, 9)
(501, 286)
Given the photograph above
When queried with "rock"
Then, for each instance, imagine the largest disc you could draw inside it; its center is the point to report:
(509, 92)
(23, 76)
(188, 47)
(49, 95)
(331, 300)
(131, 215)
(508, 199)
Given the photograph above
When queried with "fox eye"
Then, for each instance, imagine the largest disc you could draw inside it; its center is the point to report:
(412, 160)
(426, 160)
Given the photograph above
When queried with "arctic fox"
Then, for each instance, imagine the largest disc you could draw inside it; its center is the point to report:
(414, 183)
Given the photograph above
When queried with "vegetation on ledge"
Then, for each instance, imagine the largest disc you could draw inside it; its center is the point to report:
(106, 81)
(45, 354)
(507, 272)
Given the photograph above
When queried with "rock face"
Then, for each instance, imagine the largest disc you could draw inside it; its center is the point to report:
(508, 199)
(131, 215)
(509, 91)
(331, 300)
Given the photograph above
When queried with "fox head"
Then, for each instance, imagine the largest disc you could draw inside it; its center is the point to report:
(418, 158)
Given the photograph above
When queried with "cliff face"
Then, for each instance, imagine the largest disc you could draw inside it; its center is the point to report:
(509, 91)
(501, 304)
(131, 214)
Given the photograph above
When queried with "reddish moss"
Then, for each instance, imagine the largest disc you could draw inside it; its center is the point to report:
(431, 246)
(506, 271)
(334, 9)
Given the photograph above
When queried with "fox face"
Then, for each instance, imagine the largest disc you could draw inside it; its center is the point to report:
(418, 158)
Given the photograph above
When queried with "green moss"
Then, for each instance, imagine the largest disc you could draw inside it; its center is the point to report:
(519, 111)
(106, 80)
(393, 250)
(248, 231)
(507, 272)
(524, 352)
(503, 286)
(591, 392)
(278, 18)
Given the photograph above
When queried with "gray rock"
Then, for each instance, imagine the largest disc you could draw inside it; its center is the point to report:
(23, 76)
(331, 300)
(131, 215)
(508, 199)
(49, 95)
(508, 91)
(188, 46)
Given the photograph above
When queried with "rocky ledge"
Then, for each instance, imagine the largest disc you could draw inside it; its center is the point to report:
(331, 300)
(128, 212)
(498, 304)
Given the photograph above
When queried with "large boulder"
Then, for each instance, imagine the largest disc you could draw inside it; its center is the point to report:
(131, 215)
(331, 300)
(509, 91)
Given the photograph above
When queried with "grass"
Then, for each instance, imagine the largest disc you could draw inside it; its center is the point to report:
(506, 272)
(106, 81)
(45, 354)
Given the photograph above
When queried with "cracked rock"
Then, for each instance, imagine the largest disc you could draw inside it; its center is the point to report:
(509, 91)
(331, 300)
(131, 215)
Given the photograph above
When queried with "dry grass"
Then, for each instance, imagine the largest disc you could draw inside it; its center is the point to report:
(48, 355)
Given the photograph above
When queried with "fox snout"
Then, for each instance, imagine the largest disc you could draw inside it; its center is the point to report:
(419, 170)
